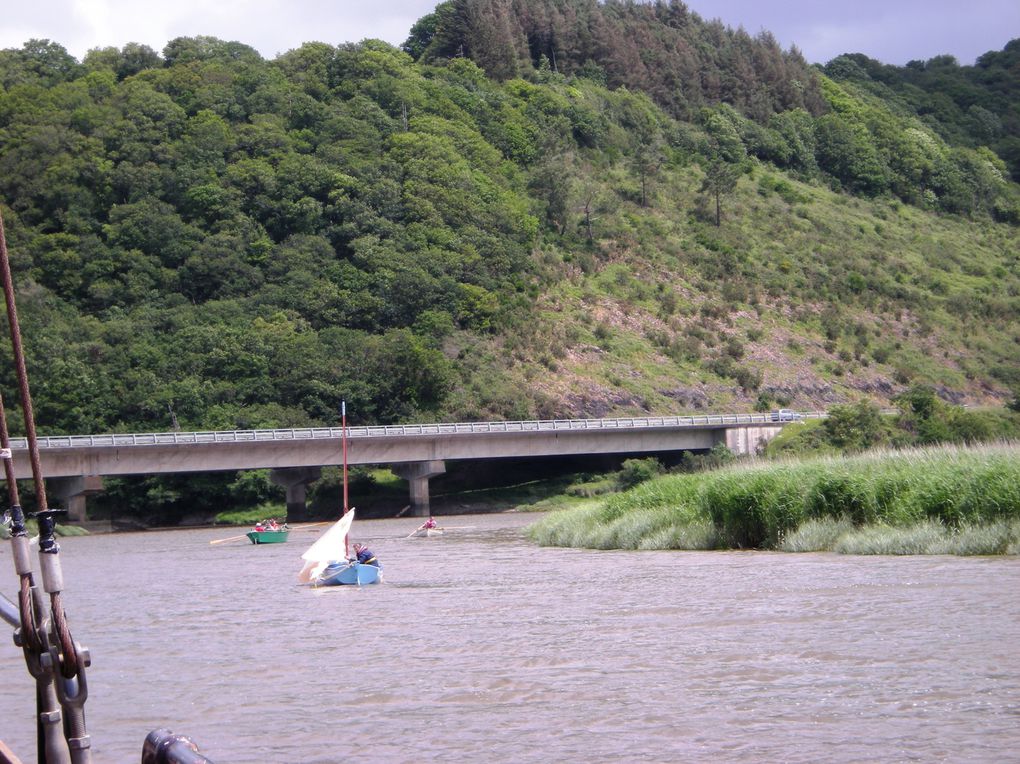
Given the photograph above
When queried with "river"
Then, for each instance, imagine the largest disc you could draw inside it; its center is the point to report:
(481, 646)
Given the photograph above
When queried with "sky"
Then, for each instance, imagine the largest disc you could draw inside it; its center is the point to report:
(891, 31)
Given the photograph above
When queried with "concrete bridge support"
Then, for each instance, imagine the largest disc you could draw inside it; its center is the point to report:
(417, 475)
(295, 480)
(71, 492)
(747, 441)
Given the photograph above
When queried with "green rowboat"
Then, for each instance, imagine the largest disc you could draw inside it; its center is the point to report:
(268, 537)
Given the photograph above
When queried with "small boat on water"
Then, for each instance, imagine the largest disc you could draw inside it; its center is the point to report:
(348, 574)
(327, 561)
(268, 532)
(267, 536)
(427, 529)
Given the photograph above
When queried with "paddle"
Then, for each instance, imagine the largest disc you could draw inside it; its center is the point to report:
(423, 527)
(232, 538)
(309, 527)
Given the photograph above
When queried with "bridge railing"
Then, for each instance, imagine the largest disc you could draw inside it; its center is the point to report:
(117, 440)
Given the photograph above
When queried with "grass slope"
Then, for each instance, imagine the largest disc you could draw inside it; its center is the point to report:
(803, 297)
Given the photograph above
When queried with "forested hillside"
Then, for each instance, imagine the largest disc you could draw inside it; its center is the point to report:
(604, 209)
(663, 49)
(966, 105)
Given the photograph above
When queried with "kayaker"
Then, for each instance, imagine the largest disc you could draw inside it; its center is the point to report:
(428, 525)
(364, 555)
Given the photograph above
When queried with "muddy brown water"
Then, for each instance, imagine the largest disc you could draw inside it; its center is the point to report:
(481, 646)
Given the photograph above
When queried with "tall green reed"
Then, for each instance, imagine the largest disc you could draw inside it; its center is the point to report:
(938, 500)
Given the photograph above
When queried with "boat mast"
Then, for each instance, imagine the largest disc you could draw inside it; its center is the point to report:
(343, 435)
(343, 439)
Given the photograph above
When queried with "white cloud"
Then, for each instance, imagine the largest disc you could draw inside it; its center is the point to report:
(270, 26)
(893, 31)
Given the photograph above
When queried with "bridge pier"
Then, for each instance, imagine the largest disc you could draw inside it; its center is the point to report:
(295, 481)
(417, 475)
(71, 493)
(746, 441)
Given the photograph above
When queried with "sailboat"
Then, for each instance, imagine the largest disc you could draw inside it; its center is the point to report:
(327, 561)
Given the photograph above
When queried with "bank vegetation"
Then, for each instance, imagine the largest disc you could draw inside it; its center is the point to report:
(934, 500)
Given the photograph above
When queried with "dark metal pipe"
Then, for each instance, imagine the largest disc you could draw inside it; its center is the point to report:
(9, 612)
(164, 747)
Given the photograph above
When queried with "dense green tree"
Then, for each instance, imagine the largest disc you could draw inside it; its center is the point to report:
(308, 67)
(422, 33)
(185, 50)
(39, 63)
(129, 60)
(967, 106)
(550, 182)
(845, 151)
(855, 427)
(660, 48)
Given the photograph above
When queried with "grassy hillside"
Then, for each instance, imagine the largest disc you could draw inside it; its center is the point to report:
(802, 296)
(213, 240)
(205, 239)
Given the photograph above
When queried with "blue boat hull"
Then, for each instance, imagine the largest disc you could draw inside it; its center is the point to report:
(342, 574)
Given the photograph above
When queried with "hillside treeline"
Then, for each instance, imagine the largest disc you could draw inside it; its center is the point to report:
(663, 49)
(233, 242)
(205, 239)
(783, 112)
(966, 105)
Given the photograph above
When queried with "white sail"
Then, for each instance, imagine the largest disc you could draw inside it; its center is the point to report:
(330, 546)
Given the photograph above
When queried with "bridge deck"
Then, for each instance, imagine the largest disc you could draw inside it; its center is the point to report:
(166, 452)
(401, 430)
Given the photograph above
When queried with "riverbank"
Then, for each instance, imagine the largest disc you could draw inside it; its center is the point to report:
(942, 500)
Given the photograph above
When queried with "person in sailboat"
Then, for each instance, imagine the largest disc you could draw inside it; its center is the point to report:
(365, 556)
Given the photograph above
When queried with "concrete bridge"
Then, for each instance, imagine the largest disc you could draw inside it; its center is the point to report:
(74, 465)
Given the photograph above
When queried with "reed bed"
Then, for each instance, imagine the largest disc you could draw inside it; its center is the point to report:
(937, 500)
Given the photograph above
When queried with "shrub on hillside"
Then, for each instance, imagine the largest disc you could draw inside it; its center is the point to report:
(636, 471)
(855, 427)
